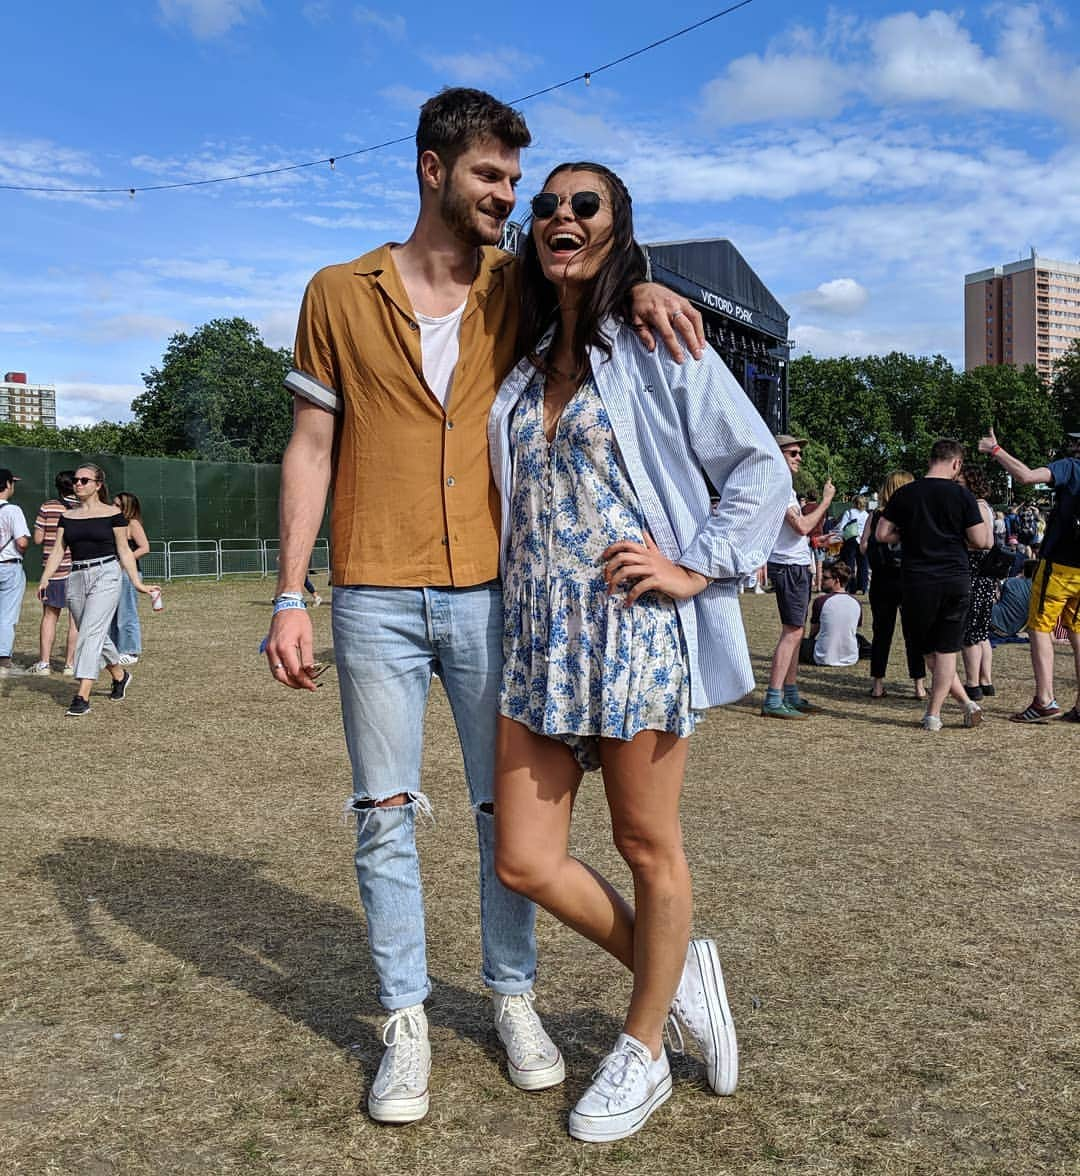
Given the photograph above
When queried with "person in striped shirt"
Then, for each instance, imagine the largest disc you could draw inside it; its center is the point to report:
(48, 516)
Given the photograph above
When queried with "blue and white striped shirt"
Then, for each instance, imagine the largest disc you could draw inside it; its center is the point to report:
(671, 422)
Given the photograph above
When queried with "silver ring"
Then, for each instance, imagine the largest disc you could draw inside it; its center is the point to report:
(279, 666)
(678, 314)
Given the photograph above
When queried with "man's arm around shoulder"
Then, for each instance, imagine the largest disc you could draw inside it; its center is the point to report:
(305, 481)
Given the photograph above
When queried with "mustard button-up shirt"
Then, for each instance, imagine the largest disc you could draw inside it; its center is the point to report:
(414, 503)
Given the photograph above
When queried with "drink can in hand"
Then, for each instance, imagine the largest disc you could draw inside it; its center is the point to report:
(156, 603)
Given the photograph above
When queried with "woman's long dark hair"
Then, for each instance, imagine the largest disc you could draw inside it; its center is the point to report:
(607, 295)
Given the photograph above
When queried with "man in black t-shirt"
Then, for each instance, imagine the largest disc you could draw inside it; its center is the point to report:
(937, 520)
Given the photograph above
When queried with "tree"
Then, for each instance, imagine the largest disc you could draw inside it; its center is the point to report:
(218, 396)
(846, 419)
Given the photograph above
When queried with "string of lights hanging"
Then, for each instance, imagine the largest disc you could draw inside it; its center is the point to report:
(333, 160)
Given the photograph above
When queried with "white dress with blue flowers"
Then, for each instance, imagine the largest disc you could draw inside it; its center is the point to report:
(579, 665)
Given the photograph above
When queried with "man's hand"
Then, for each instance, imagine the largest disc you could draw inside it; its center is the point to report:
(289, 649)
(656, 308)
(988, 442)
(828, 491)
(653, 571)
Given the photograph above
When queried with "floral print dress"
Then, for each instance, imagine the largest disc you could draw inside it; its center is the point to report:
(579, 665)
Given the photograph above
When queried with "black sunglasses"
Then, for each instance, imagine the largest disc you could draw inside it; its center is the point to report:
(83, 481)
(584, 205)
(793, 452)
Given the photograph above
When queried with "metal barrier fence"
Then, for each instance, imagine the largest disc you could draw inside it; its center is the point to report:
(187, 559)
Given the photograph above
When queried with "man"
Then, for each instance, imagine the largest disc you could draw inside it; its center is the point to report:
(834, 623)
(45, 526)
(1055, 591)
(1009, 614)
(14, 540)
(790, 569)
(398, 358)
(937, 520)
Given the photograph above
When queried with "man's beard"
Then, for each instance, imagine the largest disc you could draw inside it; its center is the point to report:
(462, 219)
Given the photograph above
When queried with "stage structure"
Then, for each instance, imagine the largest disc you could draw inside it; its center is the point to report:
(743, 321)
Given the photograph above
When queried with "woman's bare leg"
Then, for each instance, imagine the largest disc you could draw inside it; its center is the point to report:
(536, 781)
(643, 780)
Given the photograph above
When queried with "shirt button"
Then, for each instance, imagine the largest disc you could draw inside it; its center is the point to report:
(449, 424)
(449, 481)
(413, 326)
(446, 541)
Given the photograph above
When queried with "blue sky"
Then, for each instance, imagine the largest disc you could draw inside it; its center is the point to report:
(862, 157)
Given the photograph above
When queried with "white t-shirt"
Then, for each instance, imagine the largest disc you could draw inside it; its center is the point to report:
(439, 339)
(12, 527)
(836, 644)
(791, 547)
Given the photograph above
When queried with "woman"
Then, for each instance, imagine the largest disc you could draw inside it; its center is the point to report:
(124, 631)
(96, 534)
(621, 617)
(851, 526)
(977, 651)
(884, 561)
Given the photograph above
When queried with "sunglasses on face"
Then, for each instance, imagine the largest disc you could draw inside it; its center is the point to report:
(584, 205)
(84, 481)
(793, 452)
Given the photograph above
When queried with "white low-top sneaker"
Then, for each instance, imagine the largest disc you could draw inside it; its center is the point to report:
(628, 1086)
(399, 1093)
(700, 1009)
(532, 1058)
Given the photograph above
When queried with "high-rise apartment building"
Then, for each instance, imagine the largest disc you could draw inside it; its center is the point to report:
(1024, 312)
(27, 404)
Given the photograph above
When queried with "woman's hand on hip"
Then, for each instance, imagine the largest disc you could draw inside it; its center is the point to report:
(651, 570)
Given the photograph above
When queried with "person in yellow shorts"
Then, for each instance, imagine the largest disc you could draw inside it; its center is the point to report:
(1055, 592)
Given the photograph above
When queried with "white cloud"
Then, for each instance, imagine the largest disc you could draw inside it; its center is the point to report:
(392, 25)
(138, 326)
(208, 18)
(483, 66)
(841, 296)
(84, 403)
(905, 59)
(756, 89)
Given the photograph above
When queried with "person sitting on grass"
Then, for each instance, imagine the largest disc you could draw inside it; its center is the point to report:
(1009, 615)
(834, 622)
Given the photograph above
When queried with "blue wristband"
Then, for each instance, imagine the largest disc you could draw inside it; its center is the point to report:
(282, 605)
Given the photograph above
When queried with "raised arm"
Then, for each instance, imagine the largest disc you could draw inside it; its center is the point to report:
(1013, 466)
(805, 523)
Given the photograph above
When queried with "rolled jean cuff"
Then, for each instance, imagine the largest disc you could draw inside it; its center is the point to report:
(509, 987)
(405, 1000)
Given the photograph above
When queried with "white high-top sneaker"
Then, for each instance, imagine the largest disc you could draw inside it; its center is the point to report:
(700, 1008)
(532, 1058)
(399, 1093)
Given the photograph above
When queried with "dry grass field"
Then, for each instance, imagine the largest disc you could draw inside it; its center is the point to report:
(185, 980)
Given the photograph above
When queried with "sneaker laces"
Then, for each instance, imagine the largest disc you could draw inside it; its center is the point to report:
(617, 1074)
(402, 1035)
(516, 1012)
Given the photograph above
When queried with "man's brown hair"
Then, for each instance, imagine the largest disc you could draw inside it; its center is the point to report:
(452, 121)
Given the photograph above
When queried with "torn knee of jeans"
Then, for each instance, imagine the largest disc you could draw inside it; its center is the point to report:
(357, 807)
(487, 808)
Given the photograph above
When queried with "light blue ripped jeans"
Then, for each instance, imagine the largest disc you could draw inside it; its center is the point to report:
(387, 642)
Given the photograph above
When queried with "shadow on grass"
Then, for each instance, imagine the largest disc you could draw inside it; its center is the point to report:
(304, 957)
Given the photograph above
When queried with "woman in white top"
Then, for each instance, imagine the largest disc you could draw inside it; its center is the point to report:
(851, 525)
